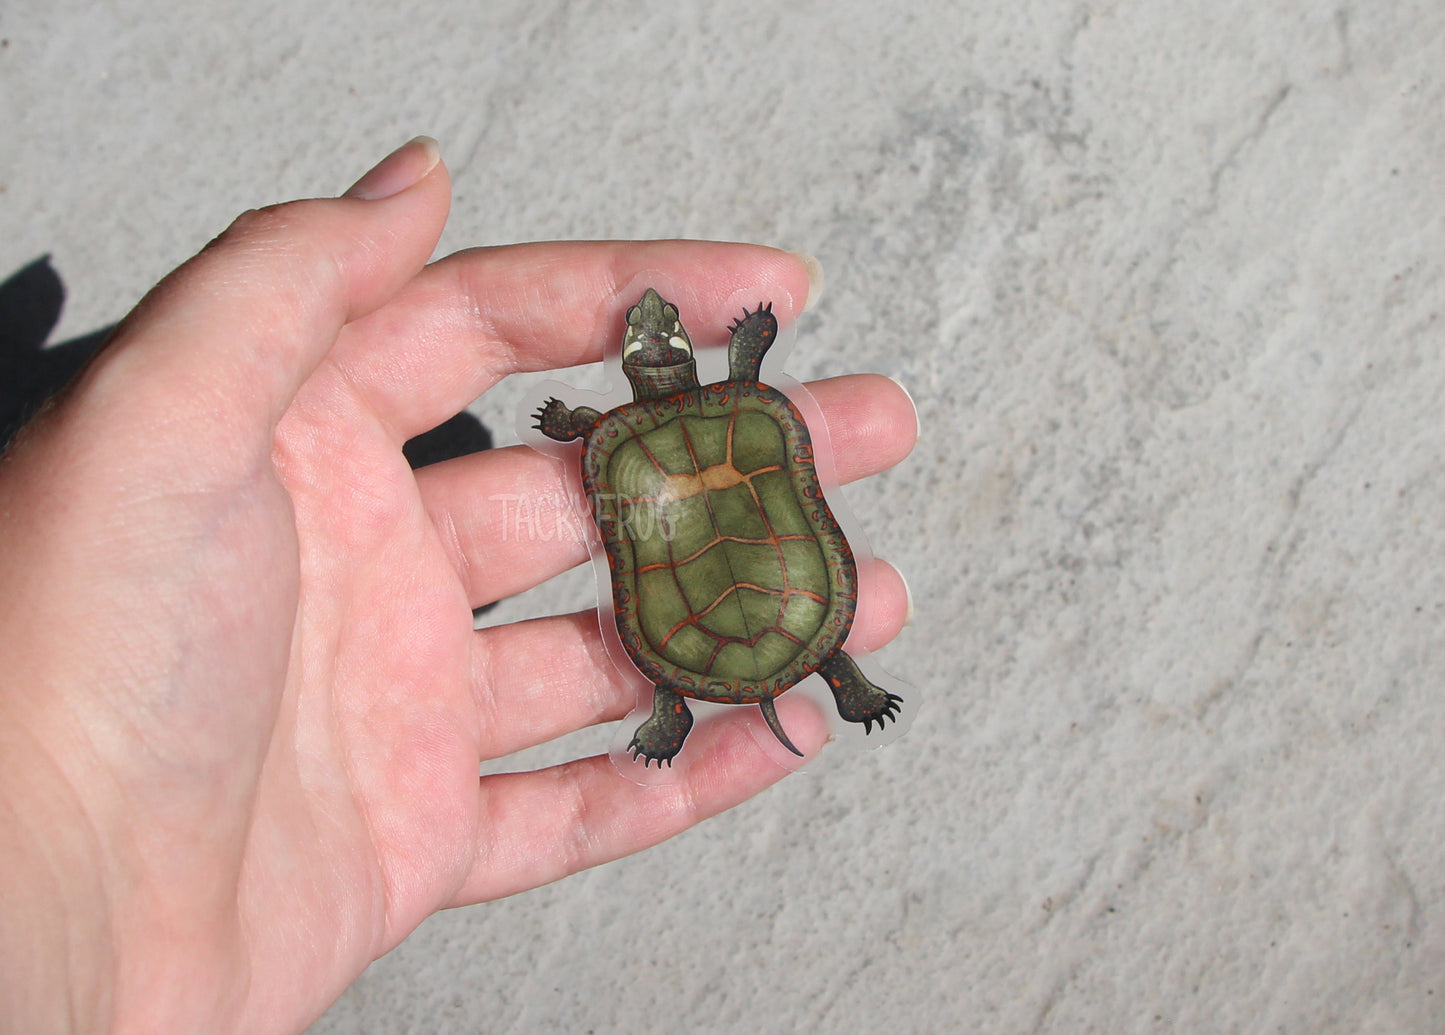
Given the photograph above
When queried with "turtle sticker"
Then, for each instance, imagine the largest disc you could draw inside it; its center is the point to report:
(731, 579)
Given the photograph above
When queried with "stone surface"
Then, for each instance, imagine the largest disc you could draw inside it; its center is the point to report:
(1166, 284)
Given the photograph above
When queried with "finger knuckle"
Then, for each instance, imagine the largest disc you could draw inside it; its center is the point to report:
(269, 224)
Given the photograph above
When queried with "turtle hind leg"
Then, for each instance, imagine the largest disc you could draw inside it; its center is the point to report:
(556, 420)
(752, 337)
(858, 699)
(661, 736)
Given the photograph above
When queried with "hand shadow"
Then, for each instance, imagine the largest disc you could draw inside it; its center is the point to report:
(31, 372)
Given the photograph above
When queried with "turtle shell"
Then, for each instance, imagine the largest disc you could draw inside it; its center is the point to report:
(731, 580)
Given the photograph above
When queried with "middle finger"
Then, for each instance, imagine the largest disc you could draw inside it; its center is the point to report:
(512, 518)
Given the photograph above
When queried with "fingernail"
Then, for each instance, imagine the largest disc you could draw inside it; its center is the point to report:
(917, 425)
(815, 278)
(405, 166)
(908, 597)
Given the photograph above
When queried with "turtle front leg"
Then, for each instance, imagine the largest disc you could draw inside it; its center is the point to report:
(752, 337)
(858, 699)
(555, 420)
(661, 736)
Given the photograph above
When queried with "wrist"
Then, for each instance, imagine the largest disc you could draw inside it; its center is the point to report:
(56, 958)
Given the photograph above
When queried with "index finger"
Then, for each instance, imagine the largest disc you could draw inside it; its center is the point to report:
(474, 317)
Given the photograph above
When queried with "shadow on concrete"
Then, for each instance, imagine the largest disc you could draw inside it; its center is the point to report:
(30, 304)
(31, 300)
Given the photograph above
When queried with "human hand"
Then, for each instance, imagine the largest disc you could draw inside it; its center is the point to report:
(243, 705)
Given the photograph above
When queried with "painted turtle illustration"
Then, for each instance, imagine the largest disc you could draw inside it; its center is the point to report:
(731, 580)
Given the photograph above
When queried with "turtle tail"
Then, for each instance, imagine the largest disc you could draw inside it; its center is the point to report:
(770, 716)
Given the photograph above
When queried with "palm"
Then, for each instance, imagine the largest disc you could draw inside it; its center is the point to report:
(383, 764)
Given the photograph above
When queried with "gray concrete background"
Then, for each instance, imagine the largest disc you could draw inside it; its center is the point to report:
(1166, 283)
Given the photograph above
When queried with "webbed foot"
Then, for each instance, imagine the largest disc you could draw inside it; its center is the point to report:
(660, 737)
(858, 700)
(556, 420)
(752, 337)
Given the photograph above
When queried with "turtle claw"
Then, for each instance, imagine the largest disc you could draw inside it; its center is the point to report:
(751, 314)
(638, 751)
(889, 710)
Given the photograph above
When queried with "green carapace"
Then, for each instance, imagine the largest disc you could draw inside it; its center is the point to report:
(731, 580)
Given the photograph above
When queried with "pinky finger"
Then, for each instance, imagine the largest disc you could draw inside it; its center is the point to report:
(537, 827)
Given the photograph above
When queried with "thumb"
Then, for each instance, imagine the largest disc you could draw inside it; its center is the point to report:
(233, 333)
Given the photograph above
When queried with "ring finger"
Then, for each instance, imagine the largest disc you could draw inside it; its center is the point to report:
(559, 677)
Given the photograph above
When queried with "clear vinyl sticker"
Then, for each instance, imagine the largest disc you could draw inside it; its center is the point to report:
(729, 573)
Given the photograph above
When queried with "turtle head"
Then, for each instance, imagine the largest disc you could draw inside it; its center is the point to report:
(656, 351)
